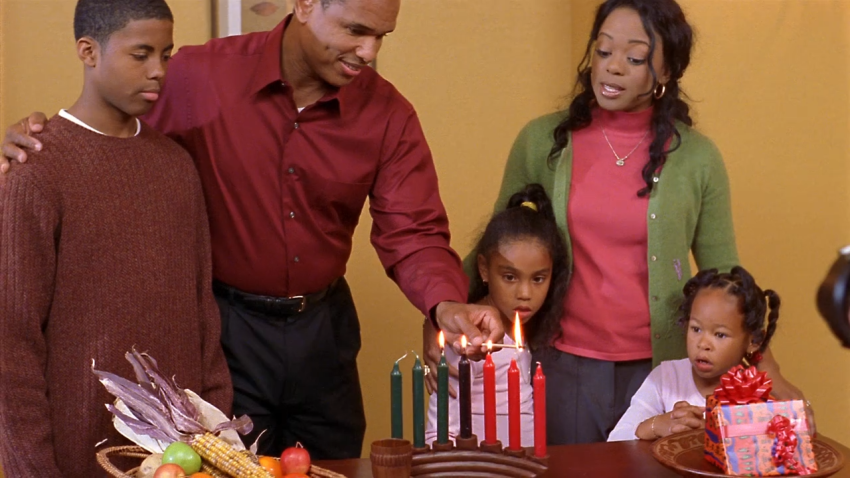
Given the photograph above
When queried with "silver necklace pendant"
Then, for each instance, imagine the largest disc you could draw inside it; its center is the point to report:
(621, 163)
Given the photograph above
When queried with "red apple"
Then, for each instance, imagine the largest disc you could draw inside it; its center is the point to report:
(169, 470)
(295, 459)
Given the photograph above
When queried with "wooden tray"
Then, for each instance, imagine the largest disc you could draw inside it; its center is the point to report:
(683, 453)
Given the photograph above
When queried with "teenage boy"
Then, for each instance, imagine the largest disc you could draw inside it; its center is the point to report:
(105, 246)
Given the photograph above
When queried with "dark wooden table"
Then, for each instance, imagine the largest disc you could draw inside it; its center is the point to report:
(632, 459)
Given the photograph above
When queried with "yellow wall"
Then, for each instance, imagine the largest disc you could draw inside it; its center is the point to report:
(769, 82)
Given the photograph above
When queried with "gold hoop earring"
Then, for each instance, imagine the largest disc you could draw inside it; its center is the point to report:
(658, 95)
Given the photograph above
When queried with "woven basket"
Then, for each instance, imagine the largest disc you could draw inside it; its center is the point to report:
(139, 452)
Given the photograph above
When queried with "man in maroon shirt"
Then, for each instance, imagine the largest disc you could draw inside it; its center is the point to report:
(291, 131)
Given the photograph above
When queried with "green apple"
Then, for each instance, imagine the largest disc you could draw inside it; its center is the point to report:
(183, 455)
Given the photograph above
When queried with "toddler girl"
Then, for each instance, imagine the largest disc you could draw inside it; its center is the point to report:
(725, 315)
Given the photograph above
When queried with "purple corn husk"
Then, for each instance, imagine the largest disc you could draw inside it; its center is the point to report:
(143, 428)
(243, 425)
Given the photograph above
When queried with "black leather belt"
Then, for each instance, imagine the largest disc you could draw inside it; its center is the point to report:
(269, 305)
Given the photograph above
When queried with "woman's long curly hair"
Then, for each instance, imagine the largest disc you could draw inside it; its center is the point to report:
(519, 223)
(661, 18)
(753, 302)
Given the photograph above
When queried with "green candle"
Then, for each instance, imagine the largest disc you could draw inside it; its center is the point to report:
(443, 401)
(395, 402)
(418, 405)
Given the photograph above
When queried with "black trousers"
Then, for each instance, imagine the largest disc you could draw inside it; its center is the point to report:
(296, 377)
(585, 397)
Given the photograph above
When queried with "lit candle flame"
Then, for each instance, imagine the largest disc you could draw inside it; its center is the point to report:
(517, 331)
(442, 339)
(463, 342)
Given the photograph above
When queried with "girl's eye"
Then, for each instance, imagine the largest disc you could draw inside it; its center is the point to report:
(539, 280)
(509, 277)
(637, 61)
(720, 335)
(140, 57)
(602, 53)
(695, 329)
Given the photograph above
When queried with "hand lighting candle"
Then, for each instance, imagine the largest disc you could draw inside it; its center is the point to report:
(465, 398)
(442, 395)
(539, 412)
(418, 405)
(397, 418)
(514, 428)
(489, 397)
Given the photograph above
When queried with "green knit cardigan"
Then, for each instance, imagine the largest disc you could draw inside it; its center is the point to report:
(689, 210)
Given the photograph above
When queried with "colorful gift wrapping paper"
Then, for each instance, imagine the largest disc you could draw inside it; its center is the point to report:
(737, 438)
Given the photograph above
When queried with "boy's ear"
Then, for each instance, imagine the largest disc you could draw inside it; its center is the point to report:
(482, 267)
(88, 51)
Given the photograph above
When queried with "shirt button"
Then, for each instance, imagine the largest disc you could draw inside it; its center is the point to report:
(296, 125)
(291, 214)
(291, 170)
(296, 259)
(652, 216)
(653, 258)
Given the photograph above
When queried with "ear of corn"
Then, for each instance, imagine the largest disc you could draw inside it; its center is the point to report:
(221, 455)
(212, 471)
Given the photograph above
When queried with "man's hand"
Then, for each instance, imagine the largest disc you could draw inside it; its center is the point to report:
(479, 323)
(19, 139)
(431, 352)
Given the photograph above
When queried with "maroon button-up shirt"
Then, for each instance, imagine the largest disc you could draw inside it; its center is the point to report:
(285, 189)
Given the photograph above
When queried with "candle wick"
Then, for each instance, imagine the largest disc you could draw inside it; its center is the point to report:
(401, 358)
(415, 354)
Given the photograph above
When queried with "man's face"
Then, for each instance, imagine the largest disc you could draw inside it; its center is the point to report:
(345, 36)
(131, 65)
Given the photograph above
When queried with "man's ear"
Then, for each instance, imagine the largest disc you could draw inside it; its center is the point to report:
(303, 9)
(88, 51)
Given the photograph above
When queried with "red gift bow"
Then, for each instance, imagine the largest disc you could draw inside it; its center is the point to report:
(740, 386)
(784, 445)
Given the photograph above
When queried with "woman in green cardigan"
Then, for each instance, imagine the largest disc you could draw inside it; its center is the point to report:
(635, 189)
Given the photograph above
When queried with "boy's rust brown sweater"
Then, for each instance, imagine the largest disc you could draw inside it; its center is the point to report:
(104, 245)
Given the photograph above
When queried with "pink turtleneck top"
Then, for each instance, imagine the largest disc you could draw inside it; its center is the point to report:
(606, 305)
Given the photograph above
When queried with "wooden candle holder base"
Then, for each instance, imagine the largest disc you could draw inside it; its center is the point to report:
(470, 443)
(495, 447)
(485, 459)
(543, 460)
(448, 446)
(520, 453)
(424, 449)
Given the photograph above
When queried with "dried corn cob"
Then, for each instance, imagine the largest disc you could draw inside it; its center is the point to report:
(212, 471)
(220, 454)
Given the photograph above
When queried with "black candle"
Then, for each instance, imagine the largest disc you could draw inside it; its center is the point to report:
(465, 383)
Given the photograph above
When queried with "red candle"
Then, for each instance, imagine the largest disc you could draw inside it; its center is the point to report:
(489, 400)
(539, 412)
(514, 429)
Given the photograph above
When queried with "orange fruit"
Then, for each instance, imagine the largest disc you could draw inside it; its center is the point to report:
(272, 466)
(296, 475)
(201, 474)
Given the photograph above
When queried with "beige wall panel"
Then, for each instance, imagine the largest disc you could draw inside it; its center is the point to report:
(769, 84)
(40, 70)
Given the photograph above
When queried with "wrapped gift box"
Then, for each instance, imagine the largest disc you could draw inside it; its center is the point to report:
(747, 433)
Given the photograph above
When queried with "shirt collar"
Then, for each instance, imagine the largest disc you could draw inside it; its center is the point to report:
(268, 69)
